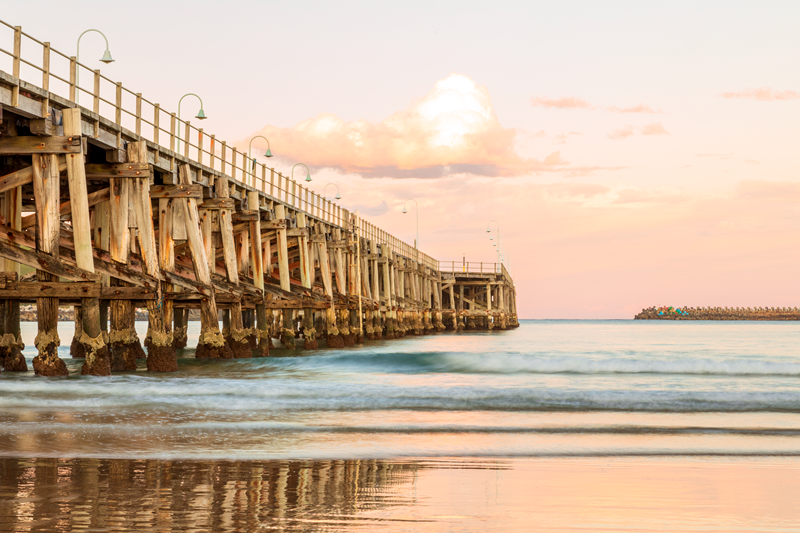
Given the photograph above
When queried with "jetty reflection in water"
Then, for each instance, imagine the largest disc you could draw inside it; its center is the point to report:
(109, 495)
(465, 495)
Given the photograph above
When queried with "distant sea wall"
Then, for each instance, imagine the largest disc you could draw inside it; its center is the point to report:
(719, 313)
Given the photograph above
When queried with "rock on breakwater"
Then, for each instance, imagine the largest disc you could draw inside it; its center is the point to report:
(719, 313)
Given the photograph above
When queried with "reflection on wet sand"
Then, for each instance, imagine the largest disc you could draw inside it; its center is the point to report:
(658, 494)
(105, 495)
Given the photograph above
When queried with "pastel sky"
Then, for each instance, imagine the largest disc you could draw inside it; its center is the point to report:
(634, 153)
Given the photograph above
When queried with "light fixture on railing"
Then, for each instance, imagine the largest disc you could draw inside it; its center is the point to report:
(268, 153)
(201, 115)
(105, 59)
(308, 172)
(324, 191)
(416, 242)
(250, 147)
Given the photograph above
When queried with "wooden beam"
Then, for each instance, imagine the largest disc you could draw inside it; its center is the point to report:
(127, 293)
(104, 171)
(176, 191)
(218, 203)
(66, 207)
(40, 145)
(245, 216)
(24, 176)
(42, 261)
(46, 289)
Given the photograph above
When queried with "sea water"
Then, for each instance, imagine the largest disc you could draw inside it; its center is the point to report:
(555, 406)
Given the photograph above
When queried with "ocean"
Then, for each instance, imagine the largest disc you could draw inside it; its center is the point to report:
(587, 425)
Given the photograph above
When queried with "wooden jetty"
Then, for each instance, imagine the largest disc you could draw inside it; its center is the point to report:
(115, 210)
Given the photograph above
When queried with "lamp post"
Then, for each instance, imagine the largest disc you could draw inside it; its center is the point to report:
(488, 230)
(324, 191)
(253, 159)
(416, 242)
(308, 172)
(200, 115)
(105, 59)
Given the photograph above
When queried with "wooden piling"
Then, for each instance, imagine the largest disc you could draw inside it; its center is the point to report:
(47, 192)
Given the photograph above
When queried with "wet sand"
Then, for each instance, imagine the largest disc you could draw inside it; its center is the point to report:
(546, 494)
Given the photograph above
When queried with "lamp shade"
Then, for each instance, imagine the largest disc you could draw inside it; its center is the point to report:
(201, 114)
(338, 197)
(405, 210)
(268, 154)
(107, 57)
(308, 178)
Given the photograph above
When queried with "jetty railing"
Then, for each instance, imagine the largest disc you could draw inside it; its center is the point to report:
(29, 58)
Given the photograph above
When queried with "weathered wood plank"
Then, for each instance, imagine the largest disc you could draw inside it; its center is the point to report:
(47, 194)
(49, 289)
(40, 145)
(127, 293)
(245, 216)
(66, 207)
(79, 202)
(45, 262)
(217, 203)
(103, 171)
(176, 191)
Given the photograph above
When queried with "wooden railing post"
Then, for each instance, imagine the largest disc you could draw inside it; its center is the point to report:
(172, 124)
(186, 137)
(272, 182)
(16, 64)
(200, 149)
(156, 121)
(96, 92)
(73, 71)
(46, 80)
(138, 112)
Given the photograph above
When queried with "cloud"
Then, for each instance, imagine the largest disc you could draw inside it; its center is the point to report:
(572, 102)
(562, 138)
(641, 108)
(373, 210)
(622, 133)
(784, 191)
(565, 102)
(634, 196)
(555, 159)
(763, 94)
(452, 130)
(654, 129)
(575, 191)
(716, 156)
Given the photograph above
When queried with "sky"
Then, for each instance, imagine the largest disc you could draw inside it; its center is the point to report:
(633, 153)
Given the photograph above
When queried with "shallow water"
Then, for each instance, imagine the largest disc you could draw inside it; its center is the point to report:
(546, 388)
(695, 404)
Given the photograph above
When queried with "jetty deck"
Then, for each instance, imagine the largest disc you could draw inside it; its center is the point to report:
(117, 203)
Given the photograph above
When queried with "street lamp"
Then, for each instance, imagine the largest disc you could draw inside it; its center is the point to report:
(488, 230)
(338, 196)
(308, 172)
(200, 115)
(250, 146)
(416, 242)
(253, 159)
(105, 59)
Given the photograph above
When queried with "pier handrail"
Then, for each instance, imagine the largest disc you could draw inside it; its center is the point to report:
(130, 111)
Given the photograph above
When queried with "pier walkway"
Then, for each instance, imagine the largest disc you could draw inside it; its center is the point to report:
(121, 204)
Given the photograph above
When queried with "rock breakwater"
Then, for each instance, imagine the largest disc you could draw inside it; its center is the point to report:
(719, 313)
